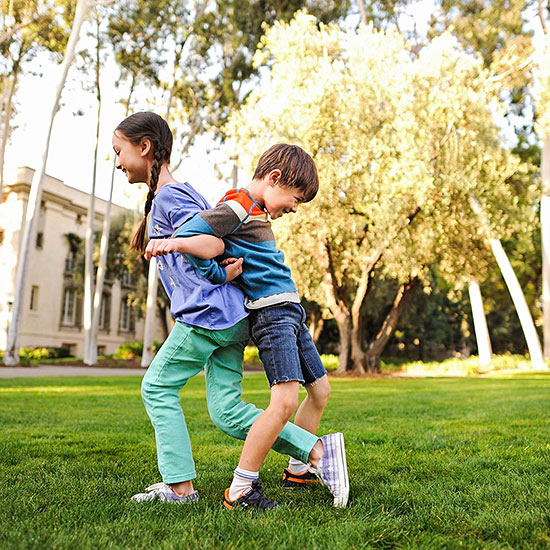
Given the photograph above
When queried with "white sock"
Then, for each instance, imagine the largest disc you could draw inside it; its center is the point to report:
(297, 466)
(242, 479)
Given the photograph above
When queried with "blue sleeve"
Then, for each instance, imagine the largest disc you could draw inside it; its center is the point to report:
(207, 268)
(180, 205)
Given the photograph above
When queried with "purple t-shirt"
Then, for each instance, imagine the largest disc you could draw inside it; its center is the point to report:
(194, 299)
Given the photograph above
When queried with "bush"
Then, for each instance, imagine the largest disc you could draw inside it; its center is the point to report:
(39, 353)
(251, 356)
(330, 362)
(132, 350)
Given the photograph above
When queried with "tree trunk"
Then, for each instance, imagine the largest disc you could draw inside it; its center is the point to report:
(525, 318)
(344, 356)
(480, 325)
(6, 129)
(90, 336)
(162, 310)
(545, 236)
(103, 252)
(363, 12)
(148, 334)
(11, 355)
(378, 344)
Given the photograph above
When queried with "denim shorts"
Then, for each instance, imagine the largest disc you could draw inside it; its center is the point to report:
(285, 345)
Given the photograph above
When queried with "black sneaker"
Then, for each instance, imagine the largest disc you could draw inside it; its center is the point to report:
(253, 497)
(299, 481)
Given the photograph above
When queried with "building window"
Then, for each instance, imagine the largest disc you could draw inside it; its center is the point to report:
(101, 350)
(105, 312)
(34, 298)
(126, 317)
(40, 240)
(127, 278)
(70, 346)
(70, 262)
(69, 303)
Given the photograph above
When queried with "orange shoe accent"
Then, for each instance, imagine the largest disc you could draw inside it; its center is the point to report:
(227, 501)
(290, 479)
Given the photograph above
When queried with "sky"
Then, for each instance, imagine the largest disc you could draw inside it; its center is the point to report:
(73, 138)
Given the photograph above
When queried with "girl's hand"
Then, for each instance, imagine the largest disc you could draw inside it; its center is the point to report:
(160, 247)
(233, 268)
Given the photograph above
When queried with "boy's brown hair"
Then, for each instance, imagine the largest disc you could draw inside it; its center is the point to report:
(297, 168)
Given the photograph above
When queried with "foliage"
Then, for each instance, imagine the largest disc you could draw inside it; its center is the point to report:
(541, 91)
(37, 353)
(251, 356)
(330, 362)
(400, 143)
(133, 350)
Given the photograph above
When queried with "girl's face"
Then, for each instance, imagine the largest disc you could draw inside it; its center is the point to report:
(132, 159)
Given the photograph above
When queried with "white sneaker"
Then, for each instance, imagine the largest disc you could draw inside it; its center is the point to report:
(332, 470)
(164, 493)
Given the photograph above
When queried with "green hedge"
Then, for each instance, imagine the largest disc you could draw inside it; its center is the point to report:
(133, 350)
(38, 353)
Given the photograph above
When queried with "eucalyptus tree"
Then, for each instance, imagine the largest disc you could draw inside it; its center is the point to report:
(400, 143)
(542, 106)
(213, 48)
(26, 29)
(11, 355)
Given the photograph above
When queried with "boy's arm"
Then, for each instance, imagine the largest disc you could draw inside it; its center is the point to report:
(201, 246)
(214, 223)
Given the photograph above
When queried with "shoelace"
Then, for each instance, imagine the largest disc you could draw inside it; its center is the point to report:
(256, 496)
(157, 486)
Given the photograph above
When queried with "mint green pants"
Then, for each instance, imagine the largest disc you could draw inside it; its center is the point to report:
(186, 351)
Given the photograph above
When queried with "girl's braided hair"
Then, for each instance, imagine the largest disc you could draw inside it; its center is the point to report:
(136, 128)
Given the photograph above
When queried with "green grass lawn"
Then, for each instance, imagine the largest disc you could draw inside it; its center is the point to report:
(435, 463)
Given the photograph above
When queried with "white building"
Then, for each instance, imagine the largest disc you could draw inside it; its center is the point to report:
(52, 314)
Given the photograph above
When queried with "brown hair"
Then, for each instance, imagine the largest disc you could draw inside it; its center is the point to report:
(296, 166)
(136, 128)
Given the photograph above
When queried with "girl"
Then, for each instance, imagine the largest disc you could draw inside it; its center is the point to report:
(211, 328)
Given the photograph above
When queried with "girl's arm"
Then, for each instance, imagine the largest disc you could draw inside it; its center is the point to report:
(201, 246)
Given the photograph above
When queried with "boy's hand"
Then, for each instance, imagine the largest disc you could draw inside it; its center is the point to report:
(159, 247)
(233, 268)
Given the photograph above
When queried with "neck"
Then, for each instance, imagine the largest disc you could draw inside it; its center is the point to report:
(257, 189)
(164, 177)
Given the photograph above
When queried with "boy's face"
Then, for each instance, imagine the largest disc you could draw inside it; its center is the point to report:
(131, 159)
(279, 199)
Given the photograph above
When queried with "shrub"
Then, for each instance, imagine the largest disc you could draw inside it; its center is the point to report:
(251, 356)
(330, 362)
(39, 353)
(132, 350)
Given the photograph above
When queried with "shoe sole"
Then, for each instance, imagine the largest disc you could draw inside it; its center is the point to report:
(342, 500)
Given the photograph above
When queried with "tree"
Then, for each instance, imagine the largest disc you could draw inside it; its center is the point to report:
(542, 107)
(11, 356)
(400, 144)
(26, 28)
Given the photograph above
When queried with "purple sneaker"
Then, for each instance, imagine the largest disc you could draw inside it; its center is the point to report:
(332, 470)
(164, 493)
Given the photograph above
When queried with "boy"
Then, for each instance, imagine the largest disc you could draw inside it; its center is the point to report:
(285, 177)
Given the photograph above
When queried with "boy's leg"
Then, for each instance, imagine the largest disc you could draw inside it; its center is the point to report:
(224, 373)
(308, 415)
(180, 357)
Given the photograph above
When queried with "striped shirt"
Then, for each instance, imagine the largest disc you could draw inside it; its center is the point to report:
(246, 230)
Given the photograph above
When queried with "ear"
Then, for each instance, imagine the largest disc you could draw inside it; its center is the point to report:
(274, 177)
(145, 147)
